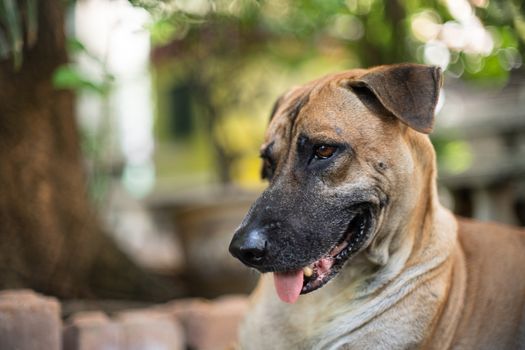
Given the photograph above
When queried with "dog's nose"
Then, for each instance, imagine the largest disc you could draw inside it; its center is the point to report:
(249, 247)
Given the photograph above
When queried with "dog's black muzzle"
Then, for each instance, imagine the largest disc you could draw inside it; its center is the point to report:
(275, 235)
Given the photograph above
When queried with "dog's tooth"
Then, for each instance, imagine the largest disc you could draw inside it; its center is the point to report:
(308, 271)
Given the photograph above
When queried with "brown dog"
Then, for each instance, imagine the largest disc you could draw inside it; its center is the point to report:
(352, 201)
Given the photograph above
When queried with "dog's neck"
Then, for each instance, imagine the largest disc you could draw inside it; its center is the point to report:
(425, 232)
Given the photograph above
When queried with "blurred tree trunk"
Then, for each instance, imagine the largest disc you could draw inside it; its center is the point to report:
(49, 238)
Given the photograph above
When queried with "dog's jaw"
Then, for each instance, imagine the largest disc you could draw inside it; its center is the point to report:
(290, 284)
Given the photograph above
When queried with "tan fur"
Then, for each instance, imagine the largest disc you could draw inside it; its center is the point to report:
(426, 279)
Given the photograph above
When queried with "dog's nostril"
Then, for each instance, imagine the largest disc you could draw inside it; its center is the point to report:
(254, 254)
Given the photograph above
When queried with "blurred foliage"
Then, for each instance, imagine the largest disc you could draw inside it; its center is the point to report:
(482, 38)
(455, 156)
(218, 47)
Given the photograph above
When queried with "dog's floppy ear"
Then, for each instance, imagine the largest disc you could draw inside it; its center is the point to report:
(408, 91)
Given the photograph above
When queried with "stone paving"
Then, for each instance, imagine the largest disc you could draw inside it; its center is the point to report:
(30, 321)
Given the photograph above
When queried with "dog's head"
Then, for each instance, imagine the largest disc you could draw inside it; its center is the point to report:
(338, 158)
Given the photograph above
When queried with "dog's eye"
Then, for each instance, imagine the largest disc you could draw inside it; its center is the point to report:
(324, 151)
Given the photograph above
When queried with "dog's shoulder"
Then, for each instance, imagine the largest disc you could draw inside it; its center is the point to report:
(482, 239)
(492, 249)
(495, 294)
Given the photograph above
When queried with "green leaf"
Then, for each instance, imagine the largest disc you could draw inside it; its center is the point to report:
(67, 77)
(74, 46)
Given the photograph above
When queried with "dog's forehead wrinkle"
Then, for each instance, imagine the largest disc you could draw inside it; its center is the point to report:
(297, 106)
(335, 116)
(342, 115)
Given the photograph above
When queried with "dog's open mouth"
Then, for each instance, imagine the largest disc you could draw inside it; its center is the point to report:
(291, 284)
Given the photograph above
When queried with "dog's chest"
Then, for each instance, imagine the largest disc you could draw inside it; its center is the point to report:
(281, 334)
(300, 332)
(312, 324)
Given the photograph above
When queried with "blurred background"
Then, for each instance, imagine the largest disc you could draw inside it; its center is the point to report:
(130, 130)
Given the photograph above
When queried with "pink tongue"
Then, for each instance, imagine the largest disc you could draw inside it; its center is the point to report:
(288, 285)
